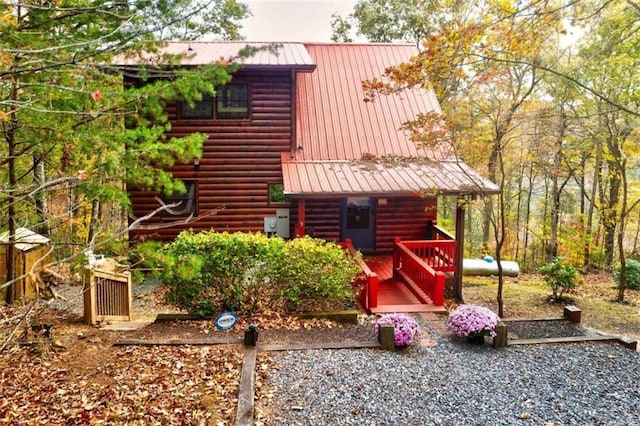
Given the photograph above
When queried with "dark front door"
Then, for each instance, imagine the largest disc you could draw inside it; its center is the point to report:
(358, 222)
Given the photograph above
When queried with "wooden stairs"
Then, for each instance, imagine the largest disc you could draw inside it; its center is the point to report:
(394, 295)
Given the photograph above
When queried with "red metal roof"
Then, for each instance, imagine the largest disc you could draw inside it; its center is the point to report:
(333, 120)
(404, 177)
(283, 55)
(349, 146)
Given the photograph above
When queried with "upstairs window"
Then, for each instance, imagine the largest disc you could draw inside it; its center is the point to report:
(231, 103)
(200, 109)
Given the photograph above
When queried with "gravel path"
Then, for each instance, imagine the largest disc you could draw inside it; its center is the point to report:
(143, 300)
(454, 383)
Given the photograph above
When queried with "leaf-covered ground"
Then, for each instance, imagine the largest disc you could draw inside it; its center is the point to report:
(80, 377)
(527, 297)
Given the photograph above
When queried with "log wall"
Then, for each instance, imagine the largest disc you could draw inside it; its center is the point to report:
(405, 218)
(240, 158)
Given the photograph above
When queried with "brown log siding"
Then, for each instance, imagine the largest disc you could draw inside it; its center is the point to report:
(240, 158)
(405, 218)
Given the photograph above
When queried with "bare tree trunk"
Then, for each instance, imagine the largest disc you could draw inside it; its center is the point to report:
(40, 197)
(552, 247)
(11, 212)
(622, 285)
(12, 199)
(527, 219)
(516, 240)
(592, 204)
(491, 166)
(610, 215)
(500, 235)
(93, 225)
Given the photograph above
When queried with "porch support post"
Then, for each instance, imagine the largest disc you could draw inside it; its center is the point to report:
(300, 225)
(396, 257)
(459, 249)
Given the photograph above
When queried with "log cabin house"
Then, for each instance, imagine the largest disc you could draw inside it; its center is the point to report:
(294, 149)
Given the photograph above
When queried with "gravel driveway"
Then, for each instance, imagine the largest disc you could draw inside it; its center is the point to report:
(454, 383)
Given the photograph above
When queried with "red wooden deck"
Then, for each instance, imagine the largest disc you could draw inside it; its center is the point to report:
(393, 294)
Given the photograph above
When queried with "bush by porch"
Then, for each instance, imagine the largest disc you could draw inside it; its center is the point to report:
(211, 272)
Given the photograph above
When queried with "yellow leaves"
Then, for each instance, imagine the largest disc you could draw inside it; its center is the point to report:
(506, 6)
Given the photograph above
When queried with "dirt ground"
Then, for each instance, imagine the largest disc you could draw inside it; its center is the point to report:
(527, 297)
(79, 377)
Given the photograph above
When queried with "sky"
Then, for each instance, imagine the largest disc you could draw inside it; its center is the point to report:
(293, 20)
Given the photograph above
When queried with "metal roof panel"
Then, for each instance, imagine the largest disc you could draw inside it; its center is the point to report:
(405, 177)
(333, 120)
(284, 55)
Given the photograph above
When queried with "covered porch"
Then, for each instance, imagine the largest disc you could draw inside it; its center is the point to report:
(388, 210)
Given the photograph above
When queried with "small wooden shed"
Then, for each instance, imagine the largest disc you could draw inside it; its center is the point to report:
(30, 249)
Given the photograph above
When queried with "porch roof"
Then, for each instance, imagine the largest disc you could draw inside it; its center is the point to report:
(387, 177)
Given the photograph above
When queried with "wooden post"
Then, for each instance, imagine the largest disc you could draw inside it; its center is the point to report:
(438, 290)
(373, 290)
(459, 250)
(251, 335)
(300, 225)
(396, 257)
(573, 314)
(501, 338)
(386, 337)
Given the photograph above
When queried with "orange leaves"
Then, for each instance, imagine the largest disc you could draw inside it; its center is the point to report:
(96, 96)
(373, 88)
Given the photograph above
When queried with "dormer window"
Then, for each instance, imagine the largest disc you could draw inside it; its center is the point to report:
(231, 103)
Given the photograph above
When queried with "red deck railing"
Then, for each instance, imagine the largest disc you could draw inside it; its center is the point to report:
(438, 254)
(424, 264)
(368, 280)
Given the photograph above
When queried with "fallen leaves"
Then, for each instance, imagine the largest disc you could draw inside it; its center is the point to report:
(92, 382)
(134, 385)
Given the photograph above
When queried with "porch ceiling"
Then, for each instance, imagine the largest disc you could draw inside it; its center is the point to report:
(391, 177)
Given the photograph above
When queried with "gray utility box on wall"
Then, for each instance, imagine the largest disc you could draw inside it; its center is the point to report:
(282, 223)
(270, 225)
(278, 224)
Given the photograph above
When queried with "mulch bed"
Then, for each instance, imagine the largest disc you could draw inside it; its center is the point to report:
(543, 329)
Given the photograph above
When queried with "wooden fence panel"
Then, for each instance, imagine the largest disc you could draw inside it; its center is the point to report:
(107, 296)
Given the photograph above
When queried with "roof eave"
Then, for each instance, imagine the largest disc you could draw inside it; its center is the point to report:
(390, 194)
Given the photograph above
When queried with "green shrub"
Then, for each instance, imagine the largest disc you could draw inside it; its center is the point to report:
(315, 274)
(633, 274)
(560, 277)
(211, 272)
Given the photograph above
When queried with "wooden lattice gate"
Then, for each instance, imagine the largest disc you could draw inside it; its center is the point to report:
(107, 296)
